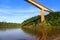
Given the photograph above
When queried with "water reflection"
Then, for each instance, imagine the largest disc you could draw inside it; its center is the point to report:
(15, 34)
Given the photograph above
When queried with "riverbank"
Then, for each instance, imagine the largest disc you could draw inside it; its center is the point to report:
(4, 25)
(51, 25)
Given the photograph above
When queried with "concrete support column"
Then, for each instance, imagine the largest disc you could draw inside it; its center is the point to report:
(42, 16)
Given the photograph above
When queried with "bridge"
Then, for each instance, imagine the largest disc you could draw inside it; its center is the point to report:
(42, 8)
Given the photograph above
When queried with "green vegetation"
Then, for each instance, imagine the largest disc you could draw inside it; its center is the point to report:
(52, 18)
(4, 25)
(34, 27)
(51, 25)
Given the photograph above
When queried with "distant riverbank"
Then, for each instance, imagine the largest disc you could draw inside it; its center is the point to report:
(4, 25)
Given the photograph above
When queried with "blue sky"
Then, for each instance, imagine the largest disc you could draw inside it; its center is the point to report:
(17, 11)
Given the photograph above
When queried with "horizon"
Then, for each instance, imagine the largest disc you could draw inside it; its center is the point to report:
(17, 11)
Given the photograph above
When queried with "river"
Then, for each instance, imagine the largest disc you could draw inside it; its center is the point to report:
(15, 34)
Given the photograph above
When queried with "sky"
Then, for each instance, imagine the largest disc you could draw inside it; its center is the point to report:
(17, 11)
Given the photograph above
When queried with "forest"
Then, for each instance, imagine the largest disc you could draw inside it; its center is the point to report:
(51, 25)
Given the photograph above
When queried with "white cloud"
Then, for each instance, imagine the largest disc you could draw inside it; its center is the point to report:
(10, 11)
(18, 18)
(14, 19)
(2, 17)
(4, 11)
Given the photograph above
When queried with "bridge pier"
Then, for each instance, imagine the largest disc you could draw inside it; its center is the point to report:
(42, 16)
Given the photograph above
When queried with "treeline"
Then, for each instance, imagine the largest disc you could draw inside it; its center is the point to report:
(51, 25)
(52, 18)
(9, 25)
